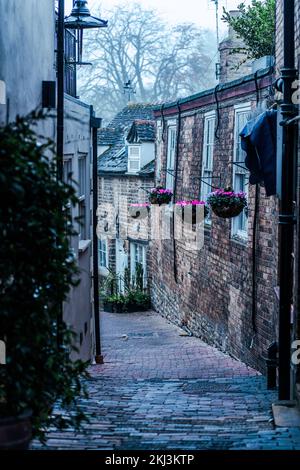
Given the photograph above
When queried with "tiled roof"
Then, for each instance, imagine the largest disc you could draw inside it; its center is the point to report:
(148, 169)
(142, 131)
(139, 116)
(114, 160)
(108, 136)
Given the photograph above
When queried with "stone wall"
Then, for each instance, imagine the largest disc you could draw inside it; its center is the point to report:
(114, 195)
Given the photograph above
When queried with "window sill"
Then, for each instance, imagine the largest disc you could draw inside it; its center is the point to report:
(83, 245)
(239, 240)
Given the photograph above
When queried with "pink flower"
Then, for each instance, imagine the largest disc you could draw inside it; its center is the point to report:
(195, 202)
(144, 204)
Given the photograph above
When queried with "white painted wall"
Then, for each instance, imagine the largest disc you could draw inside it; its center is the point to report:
(27, 57)
(27, 44)
(147, 153)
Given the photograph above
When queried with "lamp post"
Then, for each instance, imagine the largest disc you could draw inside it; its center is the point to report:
(287, 214)
(79, 20)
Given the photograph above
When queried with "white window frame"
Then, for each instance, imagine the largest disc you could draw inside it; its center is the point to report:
(82, 188)
(159, 148)
(171, 155)
(134, 246)
(208, 157)
(242, 219)
(103, 253)
(82, 175)
(134, 158)
(68, 172)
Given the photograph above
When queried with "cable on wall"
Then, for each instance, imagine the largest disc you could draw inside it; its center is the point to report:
(175, 190)
(217, 136)
(254, 264)
(163, 122)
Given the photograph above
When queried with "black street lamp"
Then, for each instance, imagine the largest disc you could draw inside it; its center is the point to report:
(80, 19)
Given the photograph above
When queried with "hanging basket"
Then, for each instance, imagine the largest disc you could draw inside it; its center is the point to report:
(160, 196)
(226, 203)
(227, 212)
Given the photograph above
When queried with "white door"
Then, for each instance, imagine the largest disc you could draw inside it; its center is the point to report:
(121, 262)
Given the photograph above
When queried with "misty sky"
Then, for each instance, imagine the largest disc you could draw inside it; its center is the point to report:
(174, 11)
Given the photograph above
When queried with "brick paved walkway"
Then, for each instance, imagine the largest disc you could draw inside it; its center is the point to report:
(159, 390)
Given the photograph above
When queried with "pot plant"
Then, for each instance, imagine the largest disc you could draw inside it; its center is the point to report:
(137, 301)
(139, 211)
(37, 270)
(188, 210)
(160, 195)
(226, 203)
(115, 303)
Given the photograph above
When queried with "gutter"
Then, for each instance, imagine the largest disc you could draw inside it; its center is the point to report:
(191, 101)
(95, 125)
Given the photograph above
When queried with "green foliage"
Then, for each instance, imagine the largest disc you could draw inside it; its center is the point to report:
(117, 299)
(135, 297)
(37, 269)
(139, 277)
(256, 26)
(138, 300)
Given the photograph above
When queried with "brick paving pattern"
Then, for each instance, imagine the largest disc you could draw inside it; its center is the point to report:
(159, 390)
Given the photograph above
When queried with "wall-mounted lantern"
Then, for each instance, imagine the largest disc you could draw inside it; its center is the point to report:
(80, 19)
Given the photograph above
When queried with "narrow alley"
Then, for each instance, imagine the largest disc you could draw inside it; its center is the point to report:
(161, 389)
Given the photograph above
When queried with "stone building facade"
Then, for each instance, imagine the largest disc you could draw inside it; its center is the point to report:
(225, 292)
(24, 68)
(126, 152)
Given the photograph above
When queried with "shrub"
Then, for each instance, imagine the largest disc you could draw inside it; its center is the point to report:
(37, 269)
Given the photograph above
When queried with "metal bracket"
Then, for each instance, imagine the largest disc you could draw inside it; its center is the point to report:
(287, 219)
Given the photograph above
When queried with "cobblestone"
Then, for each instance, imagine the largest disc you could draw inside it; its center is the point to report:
(163, 391)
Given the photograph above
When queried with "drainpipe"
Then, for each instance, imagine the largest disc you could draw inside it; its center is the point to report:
(95, 124)
(60, 63)
(60, 71)
(286, 216)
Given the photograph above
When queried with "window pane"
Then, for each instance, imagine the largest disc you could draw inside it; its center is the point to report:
(82, 176)
(240, 174)
(67, 167)
(208, 154)
(103, 253)
(134, 151)
(82, 221)
(171, 158)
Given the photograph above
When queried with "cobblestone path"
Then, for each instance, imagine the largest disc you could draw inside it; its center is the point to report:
(159, 390)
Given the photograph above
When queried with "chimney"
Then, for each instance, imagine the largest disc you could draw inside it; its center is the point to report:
(229, 60)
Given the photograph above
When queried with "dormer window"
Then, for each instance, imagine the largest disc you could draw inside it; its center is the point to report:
(134, 158)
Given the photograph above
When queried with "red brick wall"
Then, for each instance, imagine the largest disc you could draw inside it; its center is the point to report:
(213, 295)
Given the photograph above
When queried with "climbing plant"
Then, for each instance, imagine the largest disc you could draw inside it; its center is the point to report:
(255, 24)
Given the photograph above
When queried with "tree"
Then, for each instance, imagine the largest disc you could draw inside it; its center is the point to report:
(256, 26)
(161, 63)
